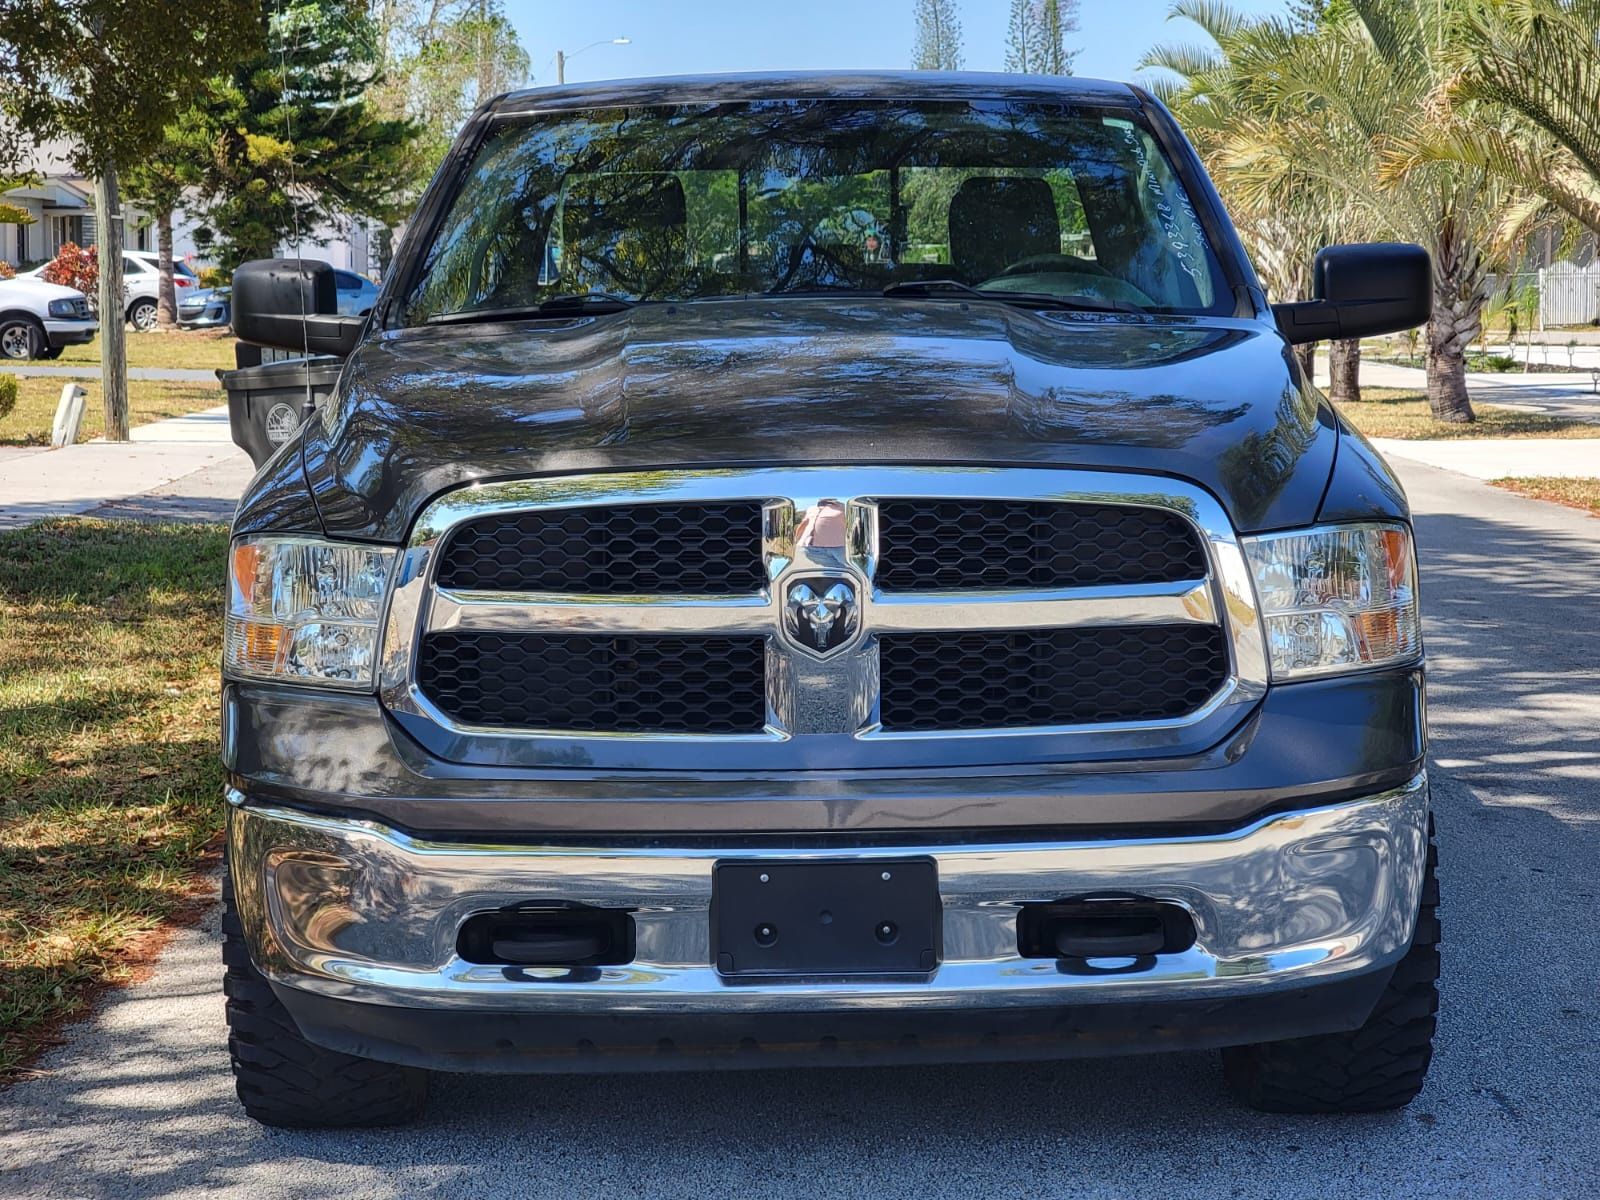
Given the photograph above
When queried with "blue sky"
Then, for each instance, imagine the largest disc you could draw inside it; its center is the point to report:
(673, 37)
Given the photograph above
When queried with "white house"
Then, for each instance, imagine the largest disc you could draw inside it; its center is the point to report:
(61, 203)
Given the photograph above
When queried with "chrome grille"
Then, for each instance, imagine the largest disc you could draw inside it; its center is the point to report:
(893, 617)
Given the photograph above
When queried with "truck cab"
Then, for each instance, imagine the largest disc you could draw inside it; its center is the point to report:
(824, 569)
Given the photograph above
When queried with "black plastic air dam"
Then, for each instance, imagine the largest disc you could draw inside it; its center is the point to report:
(516, 1043)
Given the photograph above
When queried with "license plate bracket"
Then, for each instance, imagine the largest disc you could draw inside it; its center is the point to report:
(825, 917)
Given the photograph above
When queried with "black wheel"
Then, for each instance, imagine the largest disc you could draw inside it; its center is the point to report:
(21, 338)
(284, 1080)
(1377, 1067)
(142, 315)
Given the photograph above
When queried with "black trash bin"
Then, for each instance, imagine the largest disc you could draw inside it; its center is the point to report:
(267, 403)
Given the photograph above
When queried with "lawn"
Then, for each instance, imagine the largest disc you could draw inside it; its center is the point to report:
(110, 788)
(148, 400)
(189, 349)
(1579, 493)
(1393, 413)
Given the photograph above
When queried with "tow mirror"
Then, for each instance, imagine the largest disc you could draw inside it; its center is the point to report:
(1361, 291)
(291, 304)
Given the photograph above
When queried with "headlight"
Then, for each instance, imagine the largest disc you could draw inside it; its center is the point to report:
(63, 308)
(305, 610)
(1338, 598)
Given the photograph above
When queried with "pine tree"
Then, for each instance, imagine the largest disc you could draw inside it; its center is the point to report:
(1056, 19)
(1023, 38)
(295, 136)
(938, 46)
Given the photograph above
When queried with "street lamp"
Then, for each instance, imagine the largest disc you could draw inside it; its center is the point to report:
(562, 55)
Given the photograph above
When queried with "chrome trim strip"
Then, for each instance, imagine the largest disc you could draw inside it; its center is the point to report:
(975, 611)
(354, 909)
(823, 521)
(527, 612)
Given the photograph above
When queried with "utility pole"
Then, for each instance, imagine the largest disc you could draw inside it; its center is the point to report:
(561, 66)
(113, 346)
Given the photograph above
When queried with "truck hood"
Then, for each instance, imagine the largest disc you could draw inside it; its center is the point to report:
(737, 382)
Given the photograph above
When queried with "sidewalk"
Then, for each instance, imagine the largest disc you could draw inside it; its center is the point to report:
(186, 468)
(88, 371)
(1496, 458)
(1560, 394)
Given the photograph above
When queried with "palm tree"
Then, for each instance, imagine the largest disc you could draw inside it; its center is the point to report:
(1284, 212)
(1537, 62)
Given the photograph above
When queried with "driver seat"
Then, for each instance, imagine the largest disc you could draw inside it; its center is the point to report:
(998, 220)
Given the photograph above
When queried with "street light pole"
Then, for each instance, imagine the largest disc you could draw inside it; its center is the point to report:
(562, 55)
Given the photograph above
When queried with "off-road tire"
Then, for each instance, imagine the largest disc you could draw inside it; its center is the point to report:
(1374, 1068)
(284, 1080)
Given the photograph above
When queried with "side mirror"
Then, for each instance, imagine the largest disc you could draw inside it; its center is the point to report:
(1360, 291)
(291, 304)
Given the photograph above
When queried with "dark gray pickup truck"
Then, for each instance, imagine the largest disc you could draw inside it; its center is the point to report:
(824, 569)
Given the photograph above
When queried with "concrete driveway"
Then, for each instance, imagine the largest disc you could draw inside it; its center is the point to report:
(140, 1104)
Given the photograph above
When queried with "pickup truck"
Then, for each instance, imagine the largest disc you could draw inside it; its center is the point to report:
(39, 319)
(824, 569)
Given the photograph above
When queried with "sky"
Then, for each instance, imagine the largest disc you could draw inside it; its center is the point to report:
(675, 37)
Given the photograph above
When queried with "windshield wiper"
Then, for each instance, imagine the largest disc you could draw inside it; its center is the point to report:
(955, 289)
(566, 304)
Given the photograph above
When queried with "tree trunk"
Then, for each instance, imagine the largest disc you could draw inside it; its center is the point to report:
(1455, 322)
(1344, 371)
(167, 304)
(1306, 356)
(1446, 364)
(1460, 288)
(113, 313)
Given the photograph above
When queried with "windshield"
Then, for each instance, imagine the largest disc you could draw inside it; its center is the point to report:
(794, 197)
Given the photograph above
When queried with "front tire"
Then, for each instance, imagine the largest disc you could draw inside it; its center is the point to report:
(286, 1081)
(21, 338)
(1374, 1068)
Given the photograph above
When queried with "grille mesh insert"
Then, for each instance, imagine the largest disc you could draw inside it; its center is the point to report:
(999, 680)
(709, 549)
(932, 544)
(597, 682)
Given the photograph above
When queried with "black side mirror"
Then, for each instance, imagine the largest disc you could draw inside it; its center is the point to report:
(1360, 291)
(291, 304)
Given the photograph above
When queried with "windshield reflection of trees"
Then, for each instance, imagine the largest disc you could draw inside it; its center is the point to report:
(783, 195)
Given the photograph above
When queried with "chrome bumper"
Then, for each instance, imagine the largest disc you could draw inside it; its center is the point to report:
(356, 911)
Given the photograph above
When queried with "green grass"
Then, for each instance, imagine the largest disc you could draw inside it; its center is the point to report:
(1393, 413)
(148, 400)
(190, 349)
(1578, 493)
(109, 779)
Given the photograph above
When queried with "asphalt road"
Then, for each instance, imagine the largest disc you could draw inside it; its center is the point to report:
(139, 1103)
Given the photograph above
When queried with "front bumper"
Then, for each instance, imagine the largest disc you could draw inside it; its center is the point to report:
(70, 333)
(356, 924)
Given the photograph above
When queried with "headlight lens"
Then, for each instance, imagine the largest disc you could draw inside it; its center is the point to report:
(63, 308)
(305, 610)
(1339, 598)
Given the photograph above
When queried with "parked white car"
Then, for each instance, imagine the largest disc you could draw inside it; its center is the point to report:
(141, 285)
(38, 319)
